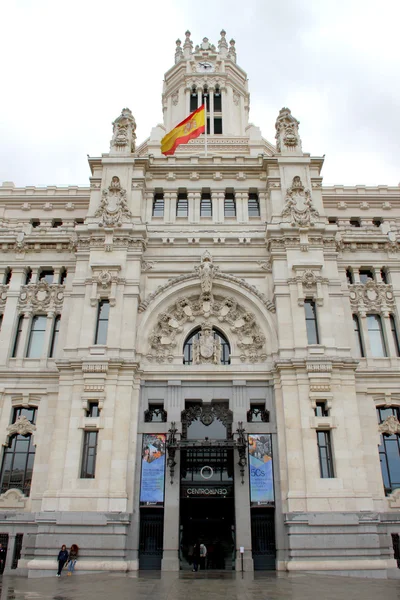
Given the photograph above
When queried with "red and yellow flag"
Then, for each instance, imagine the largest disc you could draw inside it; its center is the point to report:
(187, 130)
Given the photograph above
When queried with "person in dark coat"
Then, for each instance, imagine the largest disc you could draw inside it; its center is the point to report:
(62, 559)
(73, 557)
(196, 556)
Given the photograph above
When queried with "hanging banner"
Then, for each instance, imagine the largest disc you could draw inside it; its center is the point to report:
(153, 470)
(260, 470)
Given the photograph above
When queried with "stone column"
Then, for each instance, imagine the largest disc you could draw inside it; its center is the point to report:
(10, 553)
(194, 207)
(242, 490)
(211, 93)
(199, 97)
(170, 199)
(47, 338)
(242, 213)
(170, 561)
(218, 206)
(187, 100)
(262, 198)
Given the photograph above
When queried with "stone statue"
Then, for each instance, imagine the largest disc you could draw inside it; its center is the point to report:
(124, 135)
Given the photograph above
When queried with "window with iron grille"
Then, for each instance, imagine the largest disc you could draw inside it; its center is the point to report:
(182, 206)
(205, 205)
(158, 204)
(155, 413)
(325, 454)
(88, 468)
(257, 413)
(229, 205)
(254, 205)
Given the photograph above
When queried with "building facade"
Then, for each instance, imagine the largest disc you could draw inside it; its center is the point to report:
(201, 348)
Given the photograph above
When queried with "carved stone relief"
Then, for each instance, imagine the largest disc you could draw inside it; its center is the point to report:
(309, 284)
(220, 309)
(390, 426)
(287, 131)
(104, 284)
(299, 209)
(124, 135)
(371, 297)
(22, 426)
(208, 273)
(206, 349)
(113, 209)
(3, 296)
(41, 297)
(12, 499)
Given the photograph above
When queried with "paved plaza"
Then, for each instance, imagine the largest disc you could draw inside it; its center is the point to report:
(199, 586)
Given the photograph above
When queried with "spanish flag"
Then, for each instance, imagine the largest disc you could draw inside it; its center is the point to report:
(187, 130)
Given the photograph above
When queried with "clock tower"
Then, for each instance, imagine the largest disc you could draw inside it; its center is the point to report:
(210, 75)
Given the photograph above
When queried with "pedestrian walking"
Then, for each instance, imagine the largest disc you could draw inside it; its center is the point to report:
(203, 555)
(62, 559)
(73, 557)
(196, 556)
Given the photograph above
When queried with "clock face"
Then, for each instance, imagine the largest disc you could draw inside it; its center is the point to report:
(205, 67)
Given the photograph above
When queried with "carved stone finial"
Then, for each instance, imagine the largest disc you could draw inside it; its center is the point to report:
(124, 136)
(232, 50)
(299, 209)
(178, 51)
(223, 45)
(287, 133)
(188, 45)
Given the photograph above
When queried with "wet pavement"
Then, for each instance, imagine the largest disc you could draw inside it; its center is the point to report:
(198, 586)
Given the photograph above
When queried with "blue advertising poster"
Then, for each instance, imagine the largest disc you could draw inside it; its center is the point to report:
(260, 470)
(153, 470)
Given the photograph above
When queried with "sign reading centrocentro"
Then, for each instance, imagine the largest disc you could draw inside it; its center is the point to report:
(222, 491)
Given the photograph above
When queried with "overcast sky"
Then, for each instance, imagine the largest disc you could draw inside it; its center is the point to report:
(68, 68)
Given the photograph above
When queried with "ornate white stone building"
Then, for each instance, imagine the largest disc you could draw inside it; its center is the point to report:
(222, 317)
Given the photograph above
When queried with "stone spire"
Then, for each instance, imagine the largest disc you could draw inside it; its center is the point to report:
(178, 51)
(124, 136)
(287, 133)
(188, 45)
(223, 45)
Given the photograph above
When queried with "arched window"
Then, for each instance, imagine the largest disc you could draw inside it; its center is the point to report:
(193, 99)
(19, 457)
(188, 357)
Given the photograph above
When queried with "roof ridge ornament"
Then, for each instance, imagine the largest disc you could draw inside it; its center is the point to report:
(188, 45)
(223, 45)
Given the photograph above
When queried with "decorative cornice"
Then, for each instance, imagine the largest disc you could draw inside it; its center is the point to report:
(41, 297)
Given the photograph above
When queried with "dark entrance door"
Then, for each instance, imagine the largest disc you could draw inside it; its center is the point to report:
(211, 522)
(263, 538)
(151, 538)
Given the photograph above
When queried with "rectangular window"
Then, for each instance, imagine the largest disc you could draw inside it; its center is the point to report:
(182, 206)
(1, 321)
(311, 322)
(229, 205)
(376, 339)
(357, 335)
(17, 336)
(36, 336)
(93, 410)
(321, 409)
(217, 101)
(366, 274)
(394, 334)
(54, 337)
(254, 205)
(325, 454)
(205, 205)
(46, 275)
(102, 322)
(158, 205)
(89, 455)
(217, 125)
(193, 100)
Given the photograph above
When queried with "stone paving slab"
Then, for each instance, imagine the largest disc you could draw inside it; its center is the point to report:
(198, 586)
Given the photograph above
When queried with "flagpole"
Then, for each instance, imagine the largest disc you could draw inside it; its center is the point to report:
(205, 127)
